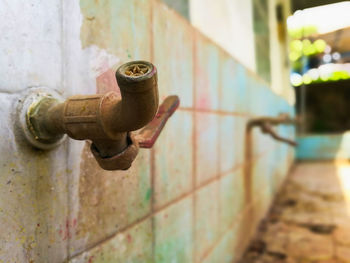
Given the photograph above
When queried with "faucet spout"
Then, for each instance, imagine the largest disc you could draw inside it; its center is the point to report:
(139, 104)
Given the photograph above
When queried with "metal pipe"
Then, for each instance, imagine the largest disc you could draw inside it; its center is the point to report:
(267, 128)
(283, 118)
(266, 123)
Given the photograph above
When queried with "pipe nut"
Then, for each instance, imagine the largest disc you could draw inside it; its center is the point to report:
(31, 112)
(121, 161)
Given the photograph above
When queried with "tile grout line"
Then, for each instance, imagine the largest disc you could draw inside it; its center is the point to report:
(218, 112)
(152, 153)
(194, 145)
(218, 150)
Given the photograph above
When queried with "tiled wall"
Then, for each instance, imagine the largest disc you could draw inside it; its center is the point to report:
(190, 198)
(229, 24)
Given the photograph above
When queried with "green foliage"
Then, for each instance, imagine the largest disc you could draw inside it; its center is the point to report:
(302, 32)
(334, 76)
(299, 48)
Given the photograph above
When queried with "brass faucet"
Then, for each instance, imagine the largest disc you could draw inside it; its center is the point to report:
(266, 123)
(105, 119)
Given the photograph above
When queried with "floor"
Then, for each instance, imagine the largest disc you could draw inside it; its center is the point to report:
(309, 221)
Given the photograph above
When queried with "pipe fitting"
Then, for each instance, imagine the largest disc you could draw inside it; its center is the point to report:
(105, 119)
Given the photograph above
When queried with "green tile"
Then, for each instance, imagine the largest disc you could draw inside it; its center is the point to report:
(206, 219)
(173, 54)
(174, 159)
(207, 79)
(224, 251)
(231, 198)
(132, 246)
(228, 139)
(108, 201)
(173, 233)
(230, 90)
(207, 128)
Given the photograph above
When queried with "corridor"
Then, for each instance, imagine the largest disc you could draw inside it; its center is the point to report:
(309, 220)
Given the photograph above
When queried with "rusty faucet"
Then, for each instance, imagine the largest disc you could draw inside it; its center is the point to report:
(266, 123)
(105, 119)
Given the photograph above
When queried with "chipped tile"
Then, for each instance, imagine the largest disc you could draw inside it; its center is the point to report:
(173, 159)
(173, 233)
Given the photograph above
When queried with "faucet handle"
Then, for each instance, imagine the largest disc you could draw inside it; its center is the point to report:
(149, 134)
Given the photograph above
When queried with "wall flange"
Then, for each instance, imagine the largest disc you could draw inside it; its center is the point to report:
(28, 107)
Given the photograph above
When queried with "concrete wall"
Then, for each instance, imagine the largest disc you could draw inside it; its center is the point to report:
(186, 200)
